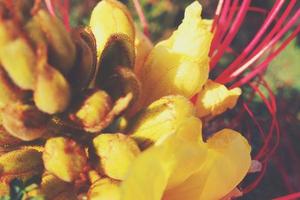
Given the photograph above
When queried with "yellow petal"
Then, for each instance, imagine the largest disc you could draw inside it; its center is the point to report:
(61, 47)
(215, 99)
(94, 108)
(116, 153)
(160, 167)
(138, 184)
(110, 17)
(180, 64)
(143, 46)
(19, 61)
(52, 92)
(9, 91)
(226, 164)
(104, 189)
(160, 120)
(191, 129)
(64, 158)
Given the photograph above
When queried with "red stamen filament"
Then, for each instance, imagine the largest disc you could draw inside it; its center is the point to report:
(236, 68)
(231, 33)
(256, 39)
(142, 17)
(50, 7)
(293, 196)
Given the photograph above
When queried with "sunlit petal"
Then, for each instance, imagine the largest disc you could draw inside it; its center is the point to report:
(182, 57)
(225, 166)
(215, 99)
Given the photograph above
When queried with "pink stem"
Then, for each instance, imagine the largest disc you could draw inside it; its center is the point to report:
(258, 10)
(265, 63)
(142, 17)
(233, 10)
(274, 125)
(220, 26)
(277, 141)
(232, 32)
(272, 14)
(293, 196)
(50, 7)
(272, 42)
(251, 114)
(225, 78)
(217, 15)
(65, 13)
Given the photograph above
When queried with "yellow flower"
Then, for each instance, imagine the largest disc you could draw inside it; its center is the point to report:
(160, 120)
(215, 99)
(64, 158)
(94, 109)
(116, 152)
(180, 64)
(184, 169)
(110, 18)
(104, 189)
(143, 47)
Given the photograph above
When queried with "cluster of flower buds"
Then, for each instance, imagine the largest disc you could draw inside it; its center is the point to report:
(110, 114)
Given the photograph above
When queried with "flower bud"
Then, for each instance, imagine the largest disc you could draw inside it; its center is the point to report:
(19, 61)
(52, 92)
(84, 70)
(9, 91)
(160, 120)
(64, 158)
(116, 152)
(109, 19)
(22, 163)
(62, 50)
(228, 156)
(53, 188)
(94, 109)
(101, 118)
(8, 32)
(120, 82)
(182, 57)
(23, 121)
(215, 99)
(35, 33)
(190, 129)
(6, 139)
(104, 189)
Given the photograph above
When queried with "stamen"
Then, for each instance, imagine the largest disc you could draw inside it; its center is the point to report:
(234, 70)
(289, 197)
(142, 17)
(64, 8)
(221, 26)
(217, 14)
(251, 114)
(272, 14)
(50, 7)
(231, 33)
(261, 67)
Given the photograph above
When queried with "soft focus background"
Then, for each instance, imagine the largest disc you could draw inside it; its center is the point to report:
(283, 172)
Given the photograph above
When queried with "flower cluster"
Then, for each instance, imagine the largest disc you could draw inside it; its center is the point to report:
(102, 112)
